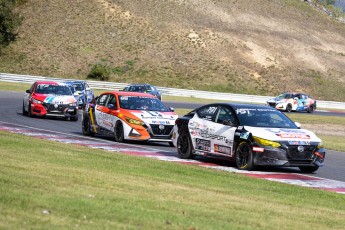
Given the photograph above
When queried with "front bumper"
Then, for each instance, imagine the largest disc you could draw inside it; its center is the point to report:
(289, 156)
(61, 110)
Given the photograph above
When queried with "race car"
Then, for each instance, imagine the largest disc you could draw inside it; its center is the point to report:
(290, 101)
(48, 98)
(129, 116)
(81, 91)
(250, 135)
(143, 88)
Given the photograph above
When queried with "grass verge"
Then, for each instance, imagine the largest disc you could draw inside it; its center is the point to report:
(71, 186)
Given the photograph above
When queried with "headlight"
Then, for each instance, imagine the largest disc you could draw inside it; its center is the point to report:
(265, 142)
(320, 145)
(36, 101)
(134, 121)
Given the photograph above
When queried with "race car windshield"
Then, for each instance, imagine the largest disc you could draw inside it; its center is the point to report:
(268, 118)
(53, 89)
(285, 96)
(78, 87)
(142, 103)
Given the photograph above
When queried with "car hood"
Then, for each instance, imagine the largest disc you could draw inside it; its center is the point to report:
(154, 117)
(55, 99)
(283, 134)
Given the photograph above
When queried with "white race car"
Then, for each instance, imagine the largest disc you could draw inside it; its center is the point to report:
(250, 135)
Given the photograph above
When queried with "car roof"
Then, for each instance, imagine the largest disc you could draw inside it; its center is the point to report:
(242, 105)
(125, 93)
(48, 82)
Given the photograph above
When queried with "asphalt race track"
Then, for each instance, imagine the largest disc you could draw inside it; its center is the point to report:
(11, 113)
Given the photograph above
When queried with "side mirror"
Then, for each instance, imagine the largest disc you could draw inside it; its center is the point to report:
(298, 125)
(296, 98)
(111, 106)
(76, 94)
(87, 89)
(27, 91)
(171, 109)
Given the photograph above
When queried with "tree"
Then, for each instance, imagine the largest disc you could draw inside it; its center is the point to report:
(9, 22)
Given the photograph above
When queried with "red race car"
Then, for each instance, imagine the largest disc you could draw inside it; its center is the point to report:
(47, 98)
(129, 116)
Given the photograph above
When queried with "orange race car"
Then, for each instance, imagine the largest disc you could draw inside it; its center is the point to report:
(129, 116)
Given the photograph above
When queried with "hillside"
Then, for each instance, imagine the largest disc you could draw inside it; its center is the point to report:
(241, 46)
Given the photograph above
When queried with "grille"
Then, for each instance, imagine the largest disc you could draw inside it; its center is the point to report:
(164, 132)
(306, 156)
(272, 104)
(51, 108)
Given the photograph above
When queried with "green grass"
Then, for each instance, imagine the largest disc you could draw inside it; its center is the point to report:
(93, 189)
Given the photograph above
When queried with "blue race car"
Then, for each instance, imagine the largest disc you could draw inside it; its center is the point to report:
(81, 91)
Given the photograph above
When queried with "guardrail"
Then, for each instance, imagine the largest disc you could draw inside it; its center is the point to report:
(167, 91)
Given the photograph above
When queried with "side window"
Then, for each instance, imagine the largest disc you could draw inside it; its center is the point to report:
(225, 116)
(102, 99)
(207, 112)
(112, 100)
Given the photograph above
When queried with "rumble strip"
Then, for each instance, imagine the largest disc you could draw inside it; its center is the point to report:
(288, 178)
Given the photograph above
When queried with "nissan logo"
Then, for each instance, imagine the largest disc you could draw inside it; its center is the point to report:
(300, 149)
(161, 127)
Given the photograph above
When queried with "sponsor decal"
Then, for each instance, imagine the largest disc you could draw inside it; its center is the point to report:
(161, 122)
(222, 149)
(203, 145)
(213, 136)
(299, 142)
(291, 135)
(258, 149)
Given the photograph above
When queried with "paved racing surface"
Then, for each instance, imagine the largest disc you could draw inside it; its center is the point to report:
(330, 177)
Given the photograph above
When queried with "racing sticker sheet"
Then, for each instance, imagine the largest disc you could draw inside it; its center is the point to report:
(97, 143)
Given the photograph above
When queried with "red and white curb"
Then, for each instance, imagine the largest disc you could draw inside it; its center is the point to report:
(288, 178)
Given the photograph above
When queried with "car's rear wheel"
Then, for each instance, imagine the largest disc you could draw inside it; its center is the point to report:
(309, 169)
(288, 108)
(118, 132)
(184, 146)
(86, 127)
(25, 113)
(244, 156)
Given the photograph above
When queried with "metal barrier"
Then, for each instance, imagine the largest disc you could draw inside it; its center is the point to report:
(167, 91)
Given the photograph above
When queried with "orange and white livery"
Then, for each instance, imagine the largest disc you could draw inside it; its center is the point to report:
(129, 116)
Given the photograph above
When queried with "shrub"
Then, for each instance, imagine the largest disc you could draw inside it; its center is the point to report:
(100, 71)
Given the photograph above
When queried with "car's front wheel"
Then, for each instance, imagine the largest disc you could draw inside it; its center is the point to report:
(25, 113)
(29, 110)
(288, 108)
(184, 146)
(309, 169)
(118, 132)
(74, 118)
(244, 156)
(310, 109)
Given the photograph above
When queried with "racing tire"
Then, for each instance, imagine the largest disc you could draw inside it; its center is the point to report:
(308, 169)
(25, 113)
(118, 132)
(244, 157)
(288, 108)
(171, 144)
(310, 109)
(74, 118)
(29, 111)
(184, 146)
(86, 127)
